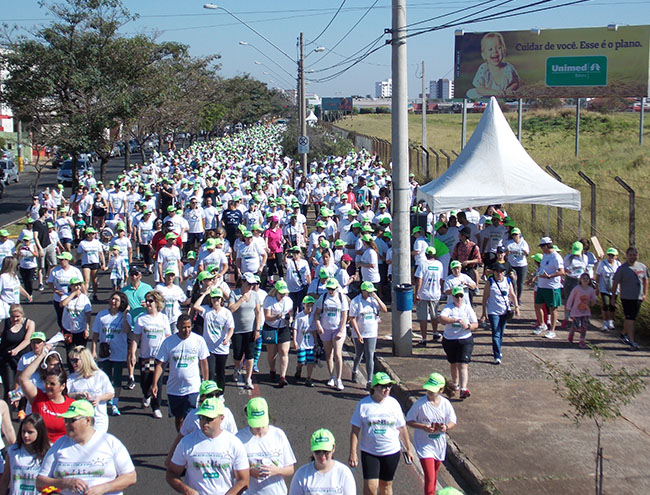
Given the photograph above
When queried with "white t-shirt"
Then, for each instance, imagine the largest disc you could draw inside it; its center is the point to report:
(517, 252)
(605, 273)
(331, 309)
(419, 246)
(174, 296)
(192, 424)
(210, 462)
(431, 445)
(24, 470)
(9, 289)
(280, 308)
(366, 311)
(461, 280)
(89, 251)
(183, 356)
(455, 330)
(378, 423)
(338, 480)
(216, 325)
(430, 272)
(370, 274)
(273, 449)
(97, 384)
(153, 330)
(302, 326)
(76, 314)
(194, 219)
(550, 263)
(100, 460)
(110, 328)
(296, 275)
(168, 258)
(251, 257)
(61, 278)
(64, 227)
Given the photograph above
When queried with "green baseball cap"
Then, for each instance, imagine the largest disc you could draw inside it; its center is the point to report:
(75, 281)
(208, 386)
(216, 292)
(339, 243)
(321, 224)
(323, 273)
(332, 283)
(79, 408)
(612, 251)
(211, 408)
(4, 233)
(366, 238)
(65, 256)
(191, 255)
(247, 233)
(204, 275)
(537, 257)
(368, 287)
(439, 225)
(308, 300)
(322, 440)
(38, 336)
(90, 230)
(515, 231)
(416, 229)
(356, 225)
(281, 287)
(576, 247)
(430, 250)
(435, 383)
(325, 244)
(455, 264)
(211, 243)
(457, 290)
(171, 235)
(170, 271)
(366, 228)
(257, 412)
(381, 378)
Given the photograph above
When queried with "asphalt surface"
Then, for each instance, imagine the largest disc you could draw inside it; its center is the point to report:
(298, 410)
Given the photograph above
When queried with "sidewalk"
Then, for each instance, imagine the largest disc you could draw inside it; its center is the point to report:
(512, 437)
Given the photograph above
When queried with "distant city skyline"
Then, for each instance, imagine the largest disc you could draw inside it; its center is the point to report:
(215, 31)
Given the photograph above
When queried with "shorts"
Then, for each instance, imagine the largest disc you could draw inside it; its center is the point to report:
(180, 405)
(65, 240)
(380, 467)
(606, 300)
(305, 356)
(551, 297)
(243, 344)
(458, 350)
(49, 256)
(631, 308)
(329, 335)
(194, 236)
(91, 266)
(427, 310)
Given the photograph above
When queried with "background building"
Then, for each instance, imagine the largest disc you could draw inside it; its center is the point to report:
(442, 89)
(384, 89)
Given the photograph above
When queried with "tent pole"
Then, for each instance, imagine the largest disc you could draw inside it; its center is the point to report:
(464, 131)
(519, 117)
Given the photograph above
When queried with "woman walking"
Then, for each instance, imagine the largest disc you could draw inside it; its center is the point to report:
(276, 332)
(10, 288)
(76, 315)
(14, 342)
(92, 259)
(27, 255)
(498, 295)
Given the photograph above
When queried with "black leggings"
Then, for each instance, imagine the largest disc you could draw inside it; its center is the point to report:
(59, 313)
(277, 262)
(147, 367)
(8, 373)
(145, 250)
(217, 367)
(27, 274)
(521, 278)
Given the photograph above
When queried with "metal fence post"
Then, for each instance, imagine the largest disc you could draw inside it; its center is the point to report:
(592, 186)
(447, 157)
(533, 214)
(632, 225)
(435, 153)
(426, 161)
(455, 153)
(559, 210)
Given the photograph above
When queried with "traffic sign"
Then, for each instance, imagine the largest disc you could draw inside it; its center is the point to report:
(303, 144)
(170, 138)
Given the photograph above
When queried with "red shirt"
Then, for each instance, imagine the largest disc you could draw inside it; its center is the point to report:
(49, 411)
(274, 238)
(159, 241)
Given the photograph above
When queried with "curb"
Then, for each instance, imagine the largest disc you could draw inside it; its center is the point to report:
(468, 471)
(12, 223)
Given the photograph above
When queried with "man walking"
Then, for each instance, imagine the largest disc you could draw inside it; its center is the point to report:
(549, 286)
(632, 278)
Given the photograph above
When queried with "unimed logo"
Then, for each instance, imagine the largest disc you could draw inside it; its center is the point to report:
(576, 71)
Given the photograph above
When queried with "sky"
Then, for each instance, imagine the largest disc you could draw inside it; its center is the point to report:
(273, 60)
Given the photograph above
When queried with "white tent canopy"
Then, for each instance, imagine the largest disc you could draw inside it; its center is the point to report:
(494, 168)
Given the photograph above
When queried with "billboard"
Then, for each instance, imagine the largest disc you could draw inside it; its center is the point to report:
(553, 63)
(337, 104)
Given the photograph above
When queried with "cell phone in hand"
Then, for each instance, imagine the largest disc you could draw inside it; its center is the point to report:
(407, 459)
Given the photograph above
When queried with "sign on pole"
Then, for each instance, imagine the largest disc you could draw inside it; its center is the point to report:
(303, 145)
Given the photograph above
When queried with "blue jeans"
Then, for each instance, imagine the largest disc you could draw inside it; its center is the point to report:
(498, 324)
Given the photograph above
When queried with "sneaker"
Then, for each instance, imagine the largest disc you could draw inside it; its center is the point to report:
(249, 384)
(130, 384)
(634, 346)
(539, 329)
(282, 382)
(436, 336)
(309, 383)
(477, 292)
(339, 384)
(157, 414)
(570, 339)
(331, 382)
(550, 335)
(255, 368)
(355, 374)
(464, 394)
(606, 327)
(146, 402)
(611, 325)
(497, 360)
(582, 344)
(116, 412)
(421, 343)
(41, 287)
(368, 385)
(624, 339)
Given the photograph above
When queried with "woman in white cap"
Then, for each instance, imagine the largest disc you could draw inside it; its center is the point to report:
(66, 465)
(269, 453)
(364, 320)
(59, 279)
(92, 259)
(76, 315)
(378, 424)
(27, 254)
(323, 474)
(276, 332)
(604, 278)
(432, 416)
(330, 316)
(460, 320)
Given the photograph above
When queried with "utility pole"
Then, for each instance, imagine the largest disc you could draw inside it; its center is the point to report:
(19, 145)
(402, 320)
(424, 108)
(303, 109)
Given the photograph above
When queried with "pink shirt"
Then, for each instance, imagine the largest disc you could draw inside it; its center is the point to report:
(580, 300)
(274, 238)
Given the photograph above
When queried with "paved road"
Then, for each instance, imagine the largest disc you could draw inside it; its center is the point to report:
(298, 410)
(16, 197)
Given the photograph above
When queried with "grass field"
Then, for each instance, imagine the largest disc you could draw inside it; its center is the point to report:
(609, 147)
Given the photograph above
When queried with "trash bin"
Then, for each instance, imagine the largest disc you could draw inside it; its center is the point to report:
(404, 297)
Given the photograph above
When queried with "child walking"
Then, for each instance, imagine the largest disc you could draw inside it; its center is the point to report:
(303, 339)
(579, 307)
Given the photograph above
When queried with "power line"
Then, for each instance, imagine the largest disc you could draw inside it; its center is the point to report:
(350, 57)
(328, 24)
(449, 13)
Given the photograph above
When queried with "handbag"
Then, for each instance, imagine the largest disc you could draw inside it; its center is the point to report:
(269, 335)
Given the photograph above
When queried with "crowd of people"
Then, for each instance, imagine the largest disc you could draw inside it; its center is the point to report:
(222, 228)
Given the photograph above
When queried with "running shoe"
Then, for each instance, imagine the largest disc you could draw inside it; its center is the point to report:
(634, 346)
(339, 384)
(255, 368)
(116, 411)
(436, 336)
(157, 414)
(570, 339)
(497, 360)
(624, 339)
(309, 383)
(582, 344)
(355, 373)
(331, 382)
(421, 343)
(41, 287)
(130, 384)
(464, 394)
(146, 402)
(550, 335)
(282, 382)
(249, 384)
(539, 329)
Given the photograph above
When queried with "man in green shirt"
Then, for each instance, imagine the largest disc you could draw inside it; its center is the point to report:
(135, 292)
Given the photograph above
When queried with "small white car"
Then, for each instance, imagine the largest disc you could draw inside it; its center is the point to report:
(9, 170)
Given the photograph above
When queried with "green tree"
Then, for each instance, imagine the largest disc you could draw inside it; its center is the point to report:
(598, 398)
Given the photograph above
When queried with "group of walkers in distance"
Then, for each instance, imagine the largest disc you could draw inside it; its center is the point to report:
(221, 230)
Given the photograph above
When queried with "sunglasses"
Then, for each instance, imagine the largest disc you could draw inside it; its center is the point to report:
(149, 301)
(74, 360)
(460, 296)
(72, 420)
